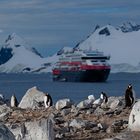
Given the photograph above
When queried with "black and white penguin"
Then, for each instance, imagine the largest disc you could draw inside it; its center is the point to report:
(48, 100)
(129, 96)
(103, 99)
(14, 102)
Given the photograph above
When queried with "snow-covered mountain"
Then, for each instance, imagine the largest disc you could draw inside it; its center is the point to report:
(17, 56)
(121, 42)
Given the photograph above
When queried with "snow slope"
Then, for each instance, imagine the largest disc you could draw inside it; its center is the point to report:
(122, 43)
(22, 59)
(123, 47)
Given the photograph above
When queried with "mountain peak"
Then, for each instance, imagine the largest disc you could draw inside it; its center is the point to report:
(107, 30)
(13, 40)
(129, 26)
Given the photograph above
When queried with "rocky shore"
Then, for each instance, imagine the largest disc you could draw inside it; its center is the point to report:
(66, 120)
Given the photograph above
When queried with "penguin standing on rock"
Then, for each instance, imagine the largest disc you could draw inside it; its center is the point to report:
(48, 100)
(14, 102)
(129, 96)
(103, 99)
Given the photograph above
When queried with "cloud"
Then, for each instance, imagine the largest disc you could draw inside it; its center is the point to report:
(62, 22)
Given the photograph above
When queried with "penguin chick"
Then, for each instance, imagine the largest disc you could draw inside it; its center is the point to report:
(14, 102)
(47, 100)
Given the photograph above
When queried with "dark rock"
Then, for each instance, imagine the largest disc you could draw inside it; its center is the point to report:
(5, 133)
(117, 112)
(5, 55)
(59, 120)
(104, 31)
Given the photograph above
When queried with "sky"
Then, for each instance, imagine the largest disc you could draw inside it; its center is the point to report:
(50, 25)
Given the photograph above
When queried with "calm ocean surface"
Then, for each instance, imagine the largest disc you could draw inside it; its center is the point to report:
(20, 83)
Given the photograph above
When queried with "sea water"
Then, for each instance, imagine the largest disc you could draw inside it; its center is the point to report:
(18, 84)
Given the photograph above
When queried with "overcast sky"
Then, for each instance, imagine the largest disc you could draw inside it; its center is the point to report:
(50, 25)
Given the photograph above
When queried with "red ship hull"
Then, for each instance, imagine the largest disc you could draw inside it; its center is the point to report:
(85, 74)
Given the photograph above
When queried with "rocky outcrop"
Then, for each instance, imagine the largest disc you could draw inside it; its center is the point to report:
(67, 120)
(32, 99)
(85, 104)
(36, 130)
(5, 133)
(116, 102)
(87, 121)
(134, 118)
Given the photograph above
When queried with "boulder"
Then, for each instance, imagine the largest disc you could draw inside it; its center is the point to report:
(134, 118)
(5, 133)
(99, 111)
(115, 102)
(80, 123)
(32, 99)
(77, 123)
(85, 104)
(4, 112)
(34, 130)
(63, 103)
(65, 112)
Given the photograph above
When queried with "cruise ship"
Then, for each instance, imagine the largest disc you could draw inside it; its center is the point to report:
(82, 66)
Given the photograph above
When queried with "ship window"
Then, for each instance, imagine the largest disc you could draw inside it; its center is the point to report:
(94, 61)
(102, 60)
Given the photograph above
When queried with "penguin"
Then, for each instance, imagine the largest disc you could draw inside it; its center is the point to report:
(129, 96)
(1, 97)
(103, 99)
(47, 100)
(14, 102)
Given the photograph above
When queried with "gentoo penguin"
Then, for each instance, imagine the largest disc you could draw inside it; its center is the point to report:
(129, 96)
(14, 102)
(103, 99)
(47, 100)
